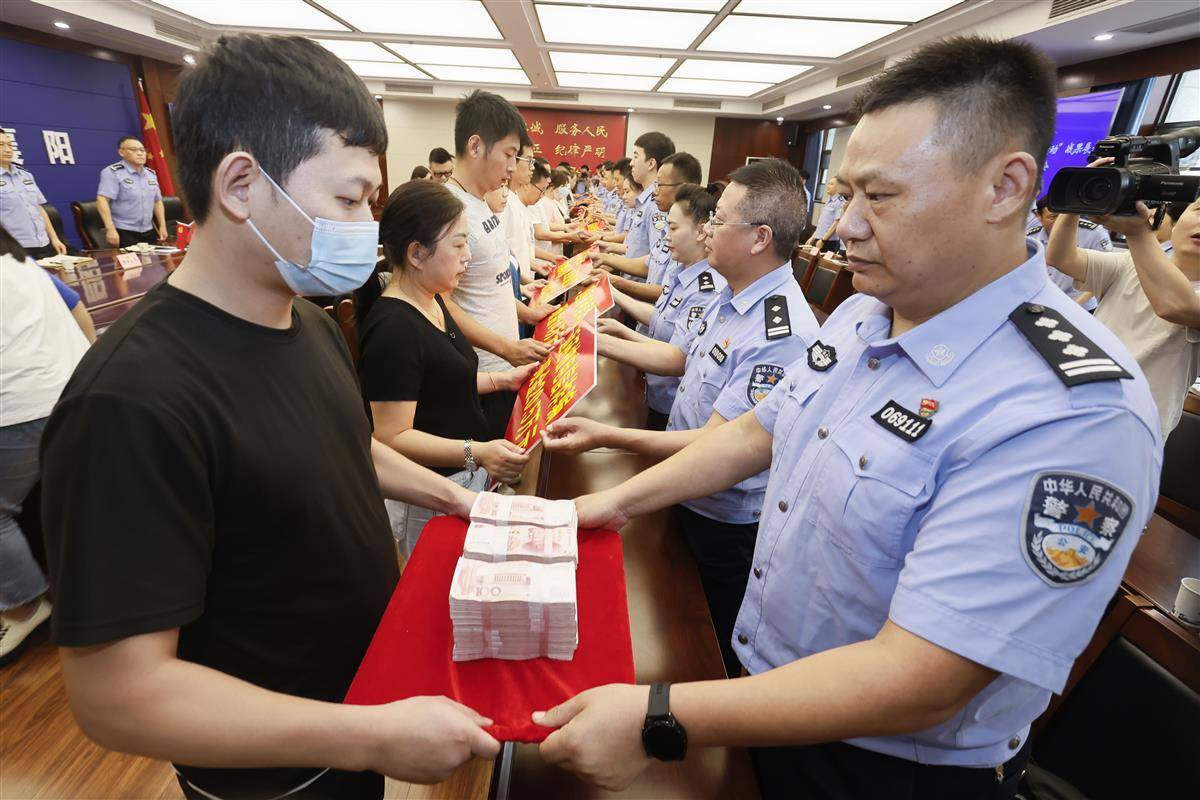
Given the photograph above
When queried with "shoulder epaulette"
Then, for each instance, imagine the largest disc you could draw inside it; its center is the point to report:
(1074, 357)
(775, 315)
(1088, 224)
(1034, 230)
(152, 172)
(116, 166)
(705, 282)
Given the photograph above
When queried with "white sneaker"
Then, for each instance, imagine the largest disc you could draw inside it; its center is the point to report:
(13, 633)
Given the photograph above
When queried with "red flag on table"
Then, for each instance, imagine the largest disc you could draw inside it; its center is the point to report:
(155, 158)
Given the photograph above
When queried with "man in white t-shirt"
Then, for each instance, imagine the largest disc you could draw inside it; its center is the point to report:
(488, 135)
(1149, 298)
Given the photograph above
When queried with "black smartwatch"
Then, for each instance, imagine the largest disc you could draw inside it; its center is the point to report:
(662, 735)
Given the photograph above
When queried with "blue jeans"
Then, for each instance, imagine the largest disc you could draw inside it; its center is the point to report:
(21, 580)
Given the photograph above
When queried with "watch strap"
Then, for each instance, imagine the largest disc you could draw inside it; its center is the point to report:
(659, 704)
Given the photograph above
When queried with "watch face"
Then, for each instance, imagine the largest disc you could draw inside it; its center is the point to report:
(665, 740)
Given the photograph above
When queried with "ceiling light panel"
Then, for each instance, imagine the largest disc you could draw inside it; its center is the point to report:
(261, 14)
(637, 28)
(664, 5)
(384, 69)
(477, 74)
(610, 64)
(592, 80)
(718, 88)
(465, 18)
(738, 71)
(356, 51)
(888, 10)
(794, 37)
(457, 56)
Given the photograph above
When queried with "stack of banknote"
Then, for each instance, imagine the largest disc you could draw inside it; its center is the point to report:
(513, 610)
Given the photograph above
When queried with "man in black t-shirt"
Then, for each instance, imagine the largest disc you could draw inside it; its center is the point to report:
(218, 544)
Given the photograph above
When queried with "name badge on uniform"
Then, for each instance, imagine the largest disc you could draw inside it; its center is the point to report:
(1072, 523)
(127, 181)
(706, 282)
(896, 419)
(718, 355)
(151, 182)
(821, 356)
(778, 323)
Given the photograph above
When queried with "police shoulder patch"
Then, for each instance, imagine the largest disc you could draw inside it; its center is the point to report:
(778, 323)
(1036, 229)
(1071, 524)
(116, 166)
(763, 378)
(821, 356)
(705, 282)
(1087, 224)
(1074, 357)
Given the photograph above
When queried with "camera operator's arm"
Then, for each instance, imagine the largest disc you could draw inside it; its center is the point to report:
(1063, 253)
(1170, 292)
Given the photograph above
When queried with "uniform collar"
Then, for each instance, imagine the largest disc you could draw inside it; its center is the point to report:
(689, 274)
(646, 193)
(129, 167)
(939, 345)
(11, 169)
(746, 299)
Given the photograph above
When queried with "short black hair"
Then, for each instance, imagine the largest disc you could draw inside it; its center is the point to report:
(685, 164)
(440, 155)
(1176, 210)
(1040, 205)
(541, 170)
(989, 95)
(420, 172)
(559, 177)
(488, 116)
(805, 174)
(623, 167)
(697, 203)
(274, 97)
(125, 139)
(656, 146)
(775, 198)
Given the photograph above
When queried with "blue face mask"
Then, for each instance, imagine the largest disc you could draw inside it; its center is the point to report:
(343, 254)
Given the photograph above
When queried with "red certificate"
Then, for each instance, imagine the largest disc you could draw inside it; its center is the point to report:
(559, 382)
(565, 276)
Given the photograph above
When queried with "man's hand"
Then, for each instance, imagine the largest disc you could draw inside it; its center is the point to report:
(613, 327)
(58, 246)
(424, 739)
(111, 237)
(1137, 224)
(531, 289)
(599, 735)
(526, 351)
(539, 312)
(162, 234)
(600, 510)
(574, 435)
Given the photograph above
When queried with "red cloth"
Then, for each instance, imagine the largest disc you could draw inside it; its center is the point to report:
(155, 158)
(410, 654)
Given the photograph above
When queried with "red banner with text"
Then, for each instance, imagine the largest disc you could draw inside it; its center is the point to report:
(558, 383)
(577, 137)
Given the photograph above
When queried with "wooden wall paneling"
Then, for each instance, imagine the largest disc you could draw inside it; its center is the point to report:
(735, 138)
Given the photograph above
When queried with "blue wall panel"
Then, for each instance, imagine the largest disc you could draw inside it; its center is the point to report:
(91, 99)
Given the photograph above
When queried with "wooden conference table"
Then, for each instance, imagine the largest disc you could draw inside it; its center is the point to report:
(107, 290)
(673, 637)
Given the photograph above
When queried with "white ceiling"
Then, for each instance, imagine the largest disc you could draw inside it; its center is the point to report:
(741, 57)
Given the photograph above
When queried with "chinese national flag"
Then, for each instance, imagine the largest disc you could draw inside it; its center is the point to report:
(155, 158)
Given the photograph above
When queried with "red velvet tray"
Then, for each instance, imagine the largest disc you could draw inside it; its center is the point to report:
(410, 654)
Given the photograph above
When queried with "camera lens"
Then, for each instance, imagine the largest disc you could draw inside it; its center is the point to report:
(1094, 190)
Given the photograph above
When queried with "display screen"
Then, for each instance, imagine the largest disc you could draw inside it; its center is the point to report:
(1082, 121)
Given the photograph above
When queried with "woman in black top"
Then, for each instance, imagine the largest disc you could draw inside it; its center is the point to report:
(417, 369)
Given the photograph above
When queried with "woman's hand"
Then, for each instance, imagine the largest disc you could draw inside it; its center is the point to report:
(501, 458)
(511, 379)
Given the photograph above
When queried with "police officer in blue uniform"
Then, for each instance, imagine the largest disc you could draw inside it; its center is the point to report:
(1091, 237)
(129, 199)
(743, 347)
(21, 212)
(689, 286)
(945, 522)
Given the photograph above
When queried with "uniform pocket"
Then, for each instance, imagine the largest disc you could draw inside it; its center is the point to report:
(872, 484)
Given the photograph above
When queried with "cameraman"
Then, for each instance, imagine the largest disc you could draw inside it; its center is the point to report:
(1091, 237)
(1150, 299)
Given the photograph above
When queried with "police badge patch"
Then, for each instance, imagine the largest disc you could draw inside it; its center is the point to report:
(1072, 523)
(821, 356)
(694, 313)
(763, 379)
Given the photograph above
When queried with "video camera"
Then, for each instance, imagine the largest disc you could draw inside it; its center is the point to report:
(1146, 168)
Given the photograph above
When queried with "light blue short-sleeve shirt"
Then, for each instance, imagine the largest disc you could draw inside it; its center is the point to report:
(687, 292)
(1091, 237)
(742, 348)
(637, 243)
(131, 195)
(21, 207)
(980, 481)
